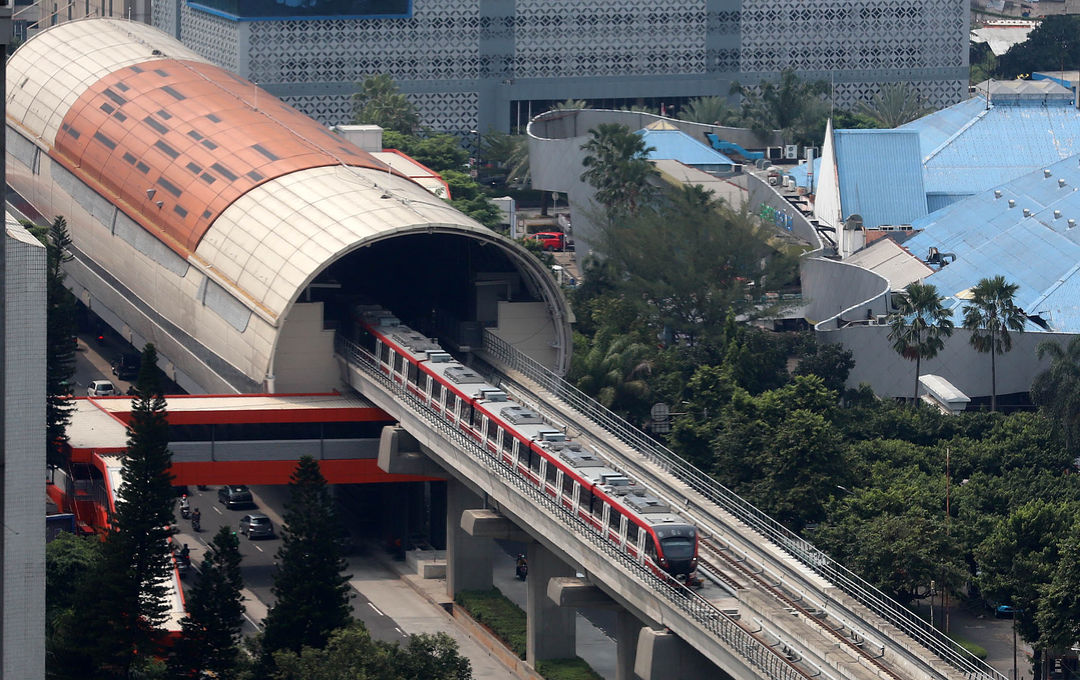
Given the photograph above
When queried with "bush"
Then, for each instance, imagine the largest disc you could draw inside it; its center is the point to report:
(504, 618)
(975, 649)
(567, 669)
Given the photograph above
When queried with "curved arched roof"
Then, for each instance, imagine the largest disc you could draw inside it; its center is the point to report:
(257, 196)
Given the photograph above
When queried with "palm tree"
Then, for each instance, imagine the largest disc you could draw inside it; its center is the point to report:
(709, 110)
(1057, 389)
(894, 105)
(919, 325)
(618, 168)
(990, 316)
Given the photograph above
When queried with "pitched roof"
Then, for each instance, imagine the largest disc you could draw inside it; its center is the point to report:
(671, 143)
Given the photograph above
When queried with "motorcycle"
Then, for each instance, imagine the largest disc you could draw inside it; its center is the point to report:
(183, 562)
(196, 524)
(185, 508)
(522, 568)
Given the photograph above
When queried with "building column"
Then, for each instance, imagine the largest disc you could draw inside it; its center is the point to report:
(551, 627)
(627, 628)
(468, 559)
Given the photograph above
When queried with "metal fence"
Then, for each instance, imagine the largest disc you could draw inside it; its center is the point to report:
(707, 616)
(796, 546)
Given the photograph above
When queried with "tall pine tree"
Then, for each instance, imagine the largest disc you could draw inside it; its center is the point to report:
(311, 590)
(60, 344)
(144, 518)
(211, 630)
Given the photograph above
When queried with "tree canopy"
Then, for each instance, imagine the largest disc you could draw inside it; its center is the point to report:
(380, 103)
(990, 316)
(919, 325)
(617, 166)
(1053, 45)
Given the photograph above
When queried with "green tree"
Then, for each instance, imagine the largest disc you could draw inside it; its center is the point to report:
(1053, 45)
(312, 594)
(791, 105)
(1058, 612)
(710, 111)
(830, 362)
(894, 104)
(438, 152)
(215, 613)
(1057, 389)
(690, 257)
(919, 326)
(60, 344)
(68, 560)
(114, 625)
(380, 103)
(990, 315)
(617, 166)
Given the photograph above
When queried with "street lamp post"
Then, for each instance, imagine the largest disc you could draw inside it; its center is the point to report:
(476, 152)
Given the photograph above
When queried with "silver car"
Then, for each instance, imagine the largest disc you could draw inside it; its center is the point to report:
(256, 525)
(101, 388)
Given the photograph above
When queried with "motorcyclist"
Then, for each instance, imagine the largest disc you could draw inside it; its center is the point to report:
(521, 567)
(196, 518)
(185, 507)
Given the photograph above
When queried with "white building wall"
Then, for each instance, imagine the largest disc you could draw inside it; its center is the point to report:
(304, 358)
(24, 458)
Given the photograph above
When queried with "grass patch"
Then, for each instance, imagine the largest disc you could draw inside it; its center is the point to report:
(567, 669)
(505, 619)
(975, 649)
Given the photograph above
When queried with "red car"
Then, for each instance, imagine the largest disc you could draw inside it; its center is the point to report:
(549, 240)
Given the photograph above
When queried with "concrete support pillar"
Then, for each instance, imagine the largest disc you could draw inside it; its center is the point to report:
(662, 655)
(551, 628)
(468, 559)
(437, 516)
(627, 628)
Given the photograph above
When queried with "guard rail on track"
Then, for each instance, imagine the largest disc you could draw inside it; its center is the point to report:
(798, 547)
(756, 652)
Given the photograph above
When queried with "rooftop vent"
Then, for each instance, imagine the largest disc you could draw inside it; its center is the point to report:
(1012, 203)
(1072, 223)
(463, 376)
(1061, 181)
(1027, 213)
(997, 193)
(1046, 173)
(519, 415)
(1057, 214)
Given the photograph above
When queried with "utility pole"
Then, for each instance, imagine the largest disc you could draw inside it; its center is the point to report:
(5, 40)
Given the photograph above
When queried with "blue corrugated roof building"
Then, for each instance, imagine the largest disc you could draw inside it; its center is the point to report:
(671, 143)
(880, 176)
(1026, 230)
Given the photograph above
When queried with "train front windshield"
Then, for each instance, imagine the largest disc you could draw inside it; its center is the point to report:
(678, 549)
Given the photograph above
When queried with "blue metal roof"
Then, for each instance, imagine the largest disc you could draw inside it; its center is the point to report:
(679, 146)
(941, 125)
(880, 175)
(800, 173)
(1039, 251)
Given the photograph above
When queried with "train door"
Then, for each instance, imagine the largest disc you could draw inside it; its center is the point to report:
(605, 516)
(500, 435)
(541, 474)
(623, 521)
(577, 497)
(641, 536)
(382, 356)
(559, 489)
(450, 408)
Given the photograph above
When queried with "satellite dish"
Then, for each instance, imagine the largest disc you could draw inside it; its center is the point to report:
(660, 412)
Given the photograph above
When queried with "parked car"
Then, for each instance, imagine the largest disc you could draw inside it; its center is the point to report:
(101, 388)
(126, 366)
(235, 496)
(549, 240)
(256, 525)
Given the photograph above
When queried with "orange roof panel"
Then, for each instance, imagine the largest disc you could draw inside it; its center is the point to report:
(175, 142)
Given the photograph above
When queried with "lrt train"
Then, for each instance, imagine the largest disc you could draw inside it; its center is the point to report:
(573, 474)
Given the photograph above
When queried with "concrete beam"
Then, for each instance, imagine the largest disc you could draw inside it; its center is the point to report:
(572, 591)
(484, 523)
(401, 454)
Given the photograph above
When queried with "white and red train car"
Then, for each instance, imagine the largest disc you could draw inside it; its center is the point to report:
(571, 473)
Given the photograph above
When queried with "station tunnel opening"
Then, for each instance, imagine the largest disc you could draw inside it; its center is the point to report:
(444, 285)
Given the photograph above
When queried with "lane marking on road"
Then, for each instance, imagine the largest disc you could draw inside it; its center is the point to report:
(259, 548)
(376, 609)
(216, 509)
(252, 621)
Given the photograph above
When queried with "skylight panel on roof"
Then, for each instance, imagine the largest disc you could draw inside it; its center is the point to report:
(105, 140)
(179, 210)
(107, 107)
(213, 118)
(172, 93)
(117, 99)
(255, 177)
(169, 186)
(161, 72)
(224, 172)
(129, 157)
(208, 144)
(194, 167)
(166, 149)
(265, 152)
(149, 120)
(208, 178)
(194, 135)
(142, 167)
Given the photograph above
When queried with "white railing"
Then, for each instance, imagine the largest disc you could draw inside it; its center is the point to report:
(798, 547)
(708, 617)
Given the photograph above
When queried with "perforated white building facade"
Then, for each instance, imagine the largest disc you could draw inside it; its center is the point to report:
(476, 64)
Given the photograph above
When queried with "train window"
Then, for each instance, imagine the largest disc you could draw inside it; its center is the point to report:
(384, 353)
(631, 534)
(650, 547)
(597, 507)
(436, 390)
(477, 419)
(451, 402)
(613, 520)
(567, 484)
(585, 499)
(399, 362)
(492, 429)
(507, 442)
(552, 472)
(534, 461)
(414, 374)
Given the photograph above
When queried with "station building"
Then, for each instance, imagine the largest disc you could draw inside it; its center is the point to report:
(237, 234)
(483, 64)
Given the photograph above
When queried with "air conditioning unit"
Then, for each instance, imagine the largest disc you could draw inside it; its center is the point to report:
(882, 319)
(791, 152)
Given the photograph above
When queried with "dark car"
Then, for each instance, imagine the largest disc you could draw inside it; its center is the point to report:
(126, 366)
(235, 496)
(256, 525)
